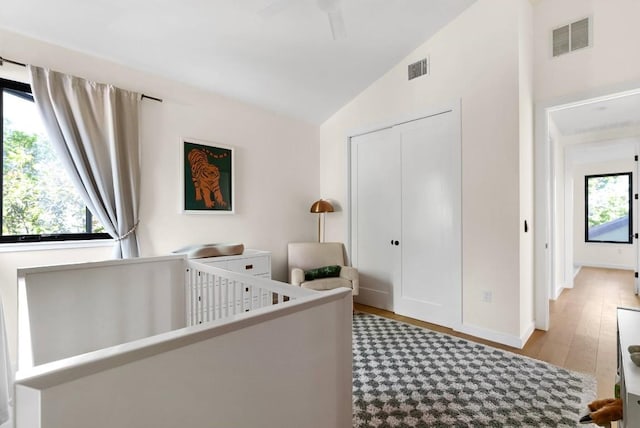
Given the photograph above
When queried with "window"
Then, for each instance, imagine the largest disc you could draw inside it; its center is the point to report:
(608, 208)
(39, 202)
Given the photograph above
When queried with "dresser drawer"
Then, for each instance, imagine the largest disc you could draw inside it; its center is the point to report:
(250, 265)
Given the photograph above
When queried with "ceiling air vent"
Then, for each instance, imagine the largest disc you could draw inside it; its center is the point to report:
(571, 37)
(419, 68)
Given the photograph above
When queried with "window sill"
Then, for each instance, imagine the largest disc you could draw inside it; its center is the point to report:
(617, 244)
(55, 245)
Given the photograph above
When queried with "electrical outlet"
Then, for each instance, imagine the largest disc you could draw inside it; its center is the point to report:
(487, 296)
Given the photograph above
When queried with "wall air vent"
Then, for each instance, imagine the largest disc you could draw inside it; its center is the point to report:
(419, 68)
(571, 37)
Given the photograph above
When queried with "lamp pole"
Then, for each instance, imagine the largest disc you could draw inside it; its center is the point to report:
(320, 207)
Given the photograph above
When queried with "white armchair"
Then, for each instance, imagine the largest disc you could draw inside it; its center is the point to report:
(312, 255)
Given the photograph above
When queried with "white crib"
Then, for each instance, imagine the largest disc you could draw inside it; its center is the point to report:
(167, 342)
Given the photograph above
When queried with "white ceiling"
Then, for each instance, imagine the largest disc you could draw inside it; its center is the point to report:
(616, 112)
(286, 62)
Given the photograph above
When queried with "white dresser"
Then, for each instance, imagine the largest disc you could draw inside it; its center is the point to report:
(252, 262)
(629, 334)
(211, 297)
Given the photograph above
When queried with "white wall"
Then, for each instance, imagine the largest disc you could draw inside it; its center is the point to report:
(607, 64)
(277, 174)
(620, 256)
(479, 64)
(525, 70)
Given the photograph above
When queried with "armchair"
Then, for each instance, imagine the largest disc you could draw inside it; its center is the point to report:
(311, 255)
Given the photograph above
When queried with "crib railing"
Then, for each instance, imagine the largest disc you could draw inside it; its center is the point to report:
(182, 376)
(213, 293)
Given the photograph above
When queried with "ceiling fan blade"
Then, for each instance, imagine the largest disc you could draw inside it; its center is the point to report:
(338, 29)
(274, 8)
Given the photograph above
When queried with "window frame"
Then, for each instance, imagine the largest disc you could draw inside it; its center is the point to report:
(21, 89)
(586, 208)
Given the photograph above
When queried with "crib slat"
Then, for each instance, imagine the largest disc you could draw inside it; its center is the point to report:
(192, 293)
(200, 298)
(189, 296)
(209, 297)
(218, 298)
(203, 297)
(212, 296)
(243, 298)
(226, 299)
(215, 279)
(234, 292)
(194, 297)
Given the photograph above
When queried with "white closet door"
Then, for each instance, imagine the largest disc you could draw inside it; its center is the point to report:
(431, 286)
(375, 215)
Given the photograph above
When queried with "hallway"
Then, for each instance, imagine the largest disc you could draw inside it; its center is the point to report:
(582, 336)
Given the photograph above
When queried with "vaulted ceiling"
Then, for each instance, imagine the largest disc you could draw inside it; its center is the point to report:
(277, 54)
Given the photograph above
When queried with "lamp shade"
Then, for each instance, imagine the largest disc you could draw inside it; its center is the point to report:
(321, 206)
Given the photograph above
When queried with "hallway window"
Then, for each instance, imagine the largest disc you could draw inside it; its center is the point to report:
(608, 208)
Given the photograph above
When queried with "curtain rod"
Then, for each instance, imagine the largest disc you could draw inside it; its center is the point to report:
(10, 61)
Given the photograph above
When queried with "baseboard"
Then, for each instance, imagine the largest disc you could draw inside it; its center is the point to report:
(560, 289)
(527, 334)
(558, 292)
(375, 298)
(498, 337)
(576, 270)
(606, 266)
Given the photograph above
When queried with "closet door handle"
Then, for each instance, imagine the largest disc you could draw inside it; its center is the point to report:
(396, 243)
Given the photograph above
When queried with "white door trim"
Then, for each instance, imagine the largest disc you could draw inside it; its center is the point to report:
(454, 106)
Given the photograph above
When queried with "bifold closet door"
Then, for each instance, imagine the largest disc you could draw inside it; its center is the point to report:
(375, 215)
(406, 218)
(431, 266)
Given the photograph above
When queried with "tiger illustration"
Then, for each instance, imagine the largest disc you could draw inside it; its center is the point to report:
(206, 178)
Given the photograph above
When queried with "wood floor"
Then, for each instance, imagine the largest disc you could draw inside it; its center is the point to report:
(582, 334)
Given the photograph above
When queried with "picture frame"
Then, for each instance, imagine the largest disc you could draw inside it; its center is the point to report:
(208, 183)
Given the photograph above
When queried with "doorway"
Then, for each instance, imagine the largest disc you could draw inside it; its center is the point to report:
(571, 133)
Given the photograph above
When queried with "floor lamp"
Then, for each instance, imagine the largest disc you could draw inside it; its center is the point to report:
(320, 207)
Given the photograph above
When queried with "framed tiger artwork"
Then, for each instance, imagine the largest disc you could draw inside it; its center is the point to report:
(207, 172)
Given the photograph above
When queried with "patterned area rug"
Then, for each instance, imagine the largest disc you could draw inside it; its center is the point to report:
(406, 376)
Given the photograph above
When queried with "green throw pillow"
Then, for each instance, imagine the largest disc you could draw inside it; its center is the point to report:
(322, 272)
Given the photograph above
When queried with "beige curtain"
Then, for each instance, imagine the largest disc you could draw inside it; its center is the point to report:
(94, 129)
